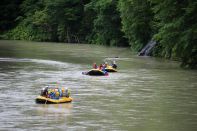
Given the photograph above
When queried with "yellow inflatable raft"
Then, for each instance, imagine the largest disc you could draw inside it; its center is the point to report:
(95, 72)
(110, 69)
(44, 100)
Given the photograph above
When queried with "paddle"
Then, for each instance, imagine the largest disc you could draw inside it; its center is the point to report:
(46, 100)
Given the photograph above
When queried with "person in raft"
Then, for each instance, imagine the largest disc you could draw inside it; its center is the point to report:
(95, 66)
(114, 64)
(101, 67)
(105, 65)
(44, 91)
(55, 93)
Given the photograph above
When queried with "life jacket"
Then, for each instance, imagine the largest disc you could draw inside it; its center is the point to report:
(67, 93)
(114, 66)
(57, 94)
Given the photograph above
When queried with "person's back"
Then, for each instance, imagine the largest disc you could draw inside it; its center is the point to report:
(57, 94)
(67, 93)
(114, 64)
(44, 91)
(94, 66)
(105, 65)
(52, 94)
(100, 67)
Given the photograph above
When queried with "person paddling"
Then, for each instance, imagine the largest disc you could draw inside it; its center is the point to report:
(114, 64)
(44, 91)
(105, 65)
(94, 66)
(100, 67)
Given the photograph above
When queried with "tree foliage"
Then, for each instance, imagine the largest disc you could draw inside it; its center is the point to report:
(107, 23)
(49, 20)
(9, 11)
(177, 30)
(172, 23)
(136, 19)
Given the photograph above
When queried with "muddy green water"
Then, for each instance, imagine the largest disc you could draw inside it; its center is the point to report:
(146, 94)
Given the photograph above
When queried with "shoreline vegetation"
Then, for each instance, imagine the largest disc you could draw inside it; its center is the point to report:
(123, 23)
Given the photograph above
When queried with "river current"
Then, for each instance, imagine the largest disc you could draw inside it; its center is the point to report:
(146, 94)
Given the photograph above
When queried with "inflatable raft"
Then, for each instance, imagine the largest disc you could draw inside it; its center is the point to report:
(110, 69)
(44, 100)
(95, 72)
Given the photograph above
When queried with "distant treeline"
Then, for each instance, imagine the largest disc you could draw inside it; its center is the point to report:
(132, 23)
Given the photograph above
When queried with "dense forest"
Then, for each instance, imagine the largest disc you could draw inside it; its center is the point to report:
(131, 23)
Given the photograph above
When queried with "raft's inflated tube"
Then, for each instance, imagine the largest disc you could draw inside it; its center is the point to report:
(44, 100)
(110, 69)
(95, 72)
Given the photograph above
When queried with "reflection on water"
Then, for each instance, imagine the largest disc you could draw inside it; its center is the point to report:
(145, 94)
(57, 110)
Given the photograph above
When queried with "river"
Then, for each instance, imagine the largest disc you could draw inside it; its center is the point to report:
(146, 94)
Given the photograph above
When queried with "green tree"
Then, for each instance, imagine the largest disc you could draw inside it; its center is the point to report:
(106, 23)
(136, 18)
(49, 20)
(9, 11)
(172, 23)
(177, 28)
